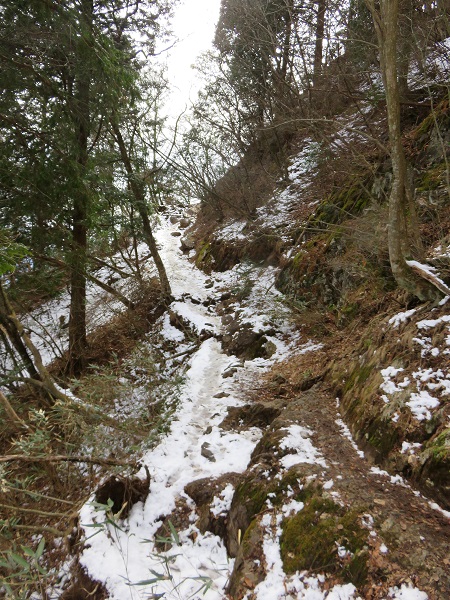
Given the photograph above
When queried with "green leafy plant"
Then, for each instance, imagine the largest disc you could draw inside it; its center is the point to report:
(23, 571)
(10, 253)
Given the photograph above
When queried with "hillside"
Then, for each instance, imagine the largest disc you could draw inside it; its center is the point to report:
(225, 365)
(304, 448)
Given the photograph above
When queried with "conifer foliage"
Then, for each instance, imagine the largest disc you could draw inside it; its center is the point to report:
(65, 68)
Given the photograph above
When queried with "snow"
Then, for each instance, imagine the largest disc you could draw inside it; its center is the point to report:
(123, 556)
(425, 390)
(221, 505)
(420, 404)
(405, 592)
(278, 586)
(298, 440)
(401, 317)
(346, 432)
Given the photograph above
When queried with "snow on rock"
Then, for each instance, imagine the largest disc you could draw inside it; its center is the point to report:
(401, 317)
(424, 390)
(221, 505)
(406, 592)
(279, 586)
(298, 440)
(421, 404)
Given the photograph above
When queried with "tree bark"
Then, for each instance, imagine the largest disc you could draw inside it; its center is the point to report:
(386, 25)
(41, 377)
(137, 188)
(78, 255)
(318, 49)
(13, 335)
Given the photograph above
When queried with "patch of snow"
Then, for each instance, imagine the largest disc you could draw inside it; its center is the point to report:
(406, 592)
(401, 317)
(420, 404)
(232, 231)
(394, 479)
(347, 434)
(169, 332)
(410, 448)
(298, 440)
(221, 505)
(292, 507)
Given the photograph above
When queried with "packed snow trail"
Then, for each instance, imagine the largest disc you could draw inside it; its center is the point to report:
(121, 558)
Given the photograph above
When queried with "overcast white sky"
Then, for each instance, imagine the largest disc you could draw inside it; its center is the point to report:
(194, 24)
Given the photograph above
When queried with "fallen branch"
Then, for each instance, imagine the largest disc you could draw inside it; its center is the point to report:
(38, 528)
(428, 273)
(34, 511)
(106, 462)
(17, 422)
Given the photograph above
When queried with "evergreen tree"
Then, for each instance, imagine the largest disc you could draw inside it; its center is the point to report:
(64, 66)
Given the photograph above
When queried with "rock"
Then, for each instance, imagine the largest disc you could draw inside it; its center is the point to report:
(246, 343)
(221, 395)
(187, 243)
(175, 234)
(202, 492)
(173, 219)
(206, 452)
(248, 500)
(229, 372)
(250, 415)
(248, 568)
(123, 492)
(185, 222)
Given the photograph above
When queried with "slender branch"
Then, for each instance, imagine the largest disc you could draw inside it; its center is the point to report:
(33, 511)
(35, 495)
(64, 458)
(9, 410)
(38, 528)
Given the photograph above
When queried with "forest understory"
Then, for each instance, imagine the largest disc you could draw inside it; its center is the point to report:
(225, 338)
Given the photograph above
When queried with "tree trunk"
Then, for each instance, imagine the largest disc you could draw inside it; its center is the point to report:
(39, 376)
(137, 188)
(78, 256)
(386, 25)
(13, 335)
(318, 49)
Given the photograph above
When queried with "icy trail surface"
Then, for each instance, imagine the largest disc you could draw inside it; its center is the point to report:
(124, 558)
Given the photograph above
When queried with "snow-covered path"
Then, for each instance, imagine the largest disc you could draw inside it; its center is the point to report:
(121, 558)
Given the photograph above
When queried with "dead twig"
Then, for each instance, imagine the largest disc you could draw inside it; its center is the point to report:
(64, 458)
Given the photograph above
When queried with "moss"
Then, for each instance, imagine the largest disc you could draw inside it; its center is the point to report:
(440, 115)
(252, 494)
(310, 540)
(349, 201)
(203, 254)
(291, 483)
(383, 436)
(247, 541)
(358, 377)
(440, 446)
(432, 178)
(347, 313)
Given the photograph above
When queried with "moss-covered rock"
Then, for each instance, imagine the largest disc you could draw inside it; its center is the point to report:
(324, 538)
(434, 472)
(249, 498)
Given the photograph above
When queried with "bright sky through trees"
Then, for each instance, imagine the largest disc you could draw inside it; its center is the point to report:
(194, 25)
